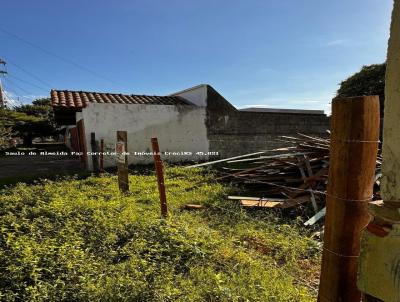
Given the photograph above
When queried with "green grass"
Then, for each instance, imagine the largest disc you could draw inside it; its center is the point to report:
(82, 240)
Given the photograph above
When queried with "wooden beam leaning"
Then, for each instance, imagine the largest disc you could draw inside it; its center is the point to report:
(353, 152)
(223, 160)
(310, 174)
(122, 160)
(160, 177)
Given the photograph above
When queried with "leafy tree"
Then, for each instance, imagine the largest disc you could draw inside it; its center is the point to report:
(370, 80)
(34, 110)
(40, 108)
(30, 121)
(42, 102)
(24, 125)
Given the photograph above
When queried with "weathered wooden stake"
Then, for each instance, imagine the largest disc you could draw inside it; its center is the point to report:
(80, 128)
(353, 151)
(160, 176)
(95, 157)
(101, 155)
(122, 160)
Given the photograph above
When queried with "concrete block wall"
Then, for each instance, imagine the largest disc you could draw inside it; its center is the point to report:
(232, 132)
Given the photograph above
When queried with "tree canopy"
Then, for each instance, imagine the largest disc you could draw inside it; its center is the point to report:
(29, 121)
(370, 80)
(42, 102)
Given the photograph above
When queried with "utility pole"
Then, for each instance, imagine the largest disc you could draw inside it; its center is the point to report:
(2, 73)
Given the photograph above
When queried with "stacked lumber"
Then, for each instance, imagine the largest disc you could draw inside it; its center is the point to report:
(284, 177)
(286, 172)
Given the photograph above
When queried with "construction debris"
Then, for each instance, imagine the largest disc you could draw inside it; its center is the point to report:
(284, 177)
(271, 202)
(193, 207)
(316, 217)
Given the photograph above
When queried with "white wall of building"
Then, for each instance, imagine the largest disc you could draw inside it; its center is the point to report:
(178, 129)
(196, 95)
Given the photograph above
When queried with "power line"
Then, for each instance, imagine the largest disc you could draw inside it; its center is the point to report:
(19, 87)
(30, 74)
(27, 82)
(12, 99)
(5, 97)
(57, 56)
(7, 92)
(14, 95)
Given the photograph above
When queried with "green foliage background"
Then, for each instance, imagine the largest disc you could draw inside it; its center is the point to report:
(82, 240)
(370, 80)
(29, 121)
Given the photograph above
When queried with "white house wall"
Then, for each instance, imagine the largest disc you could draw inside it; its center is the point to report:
(178, 129)
(196, 95)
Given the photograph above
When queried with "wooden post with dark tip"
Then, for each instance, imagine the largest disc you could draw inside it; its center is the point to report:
(122, 160)
(102, 155)
(353, 152)
(160, 176)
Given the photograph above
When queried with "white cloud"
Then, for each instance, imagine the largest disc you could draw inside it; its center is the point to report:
(16, 100)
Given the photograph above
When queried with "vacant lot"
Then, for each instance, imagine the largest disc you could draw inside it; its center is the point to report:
(82, 240)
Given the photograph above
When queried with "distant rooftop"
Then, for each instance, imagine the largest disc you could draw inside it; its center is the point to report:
(277, 110)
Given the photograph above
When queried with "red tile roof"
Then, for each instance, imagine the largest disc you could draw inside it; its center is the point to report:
(80, 99)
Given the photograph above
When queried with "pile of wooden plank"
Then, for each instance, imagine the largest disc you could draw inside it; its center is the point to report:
(285, 171)
(283, 177)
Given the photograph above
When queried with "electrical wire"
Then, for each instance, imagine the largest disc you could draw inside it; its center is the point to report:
(7, 79)
(19, 87)
(19, 103)
(30, 74)
(27, 82)
(11, 99)
(57, 56)
(14, 102)
(16, 95)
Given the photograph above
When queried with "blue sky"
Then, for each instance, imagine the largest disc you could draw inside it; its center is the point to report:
(283, 54)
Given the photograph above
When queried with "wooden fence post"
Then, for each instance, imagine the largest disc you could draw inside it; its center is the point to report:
(122, 160)
(353, 152)
(101, 155)
(160, 176)
(95, 157)
(80, 127)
